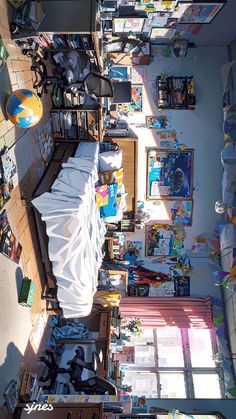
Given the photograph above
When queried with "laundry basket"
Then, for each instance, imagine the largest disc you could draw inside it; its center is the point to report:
(27, 292)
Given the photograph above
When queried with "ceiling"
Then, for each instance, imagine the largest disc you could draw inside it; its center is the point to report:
(222, 30)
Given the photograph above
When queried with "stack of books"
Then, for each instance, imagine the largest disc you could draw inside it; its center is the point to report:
(128, 223)
(73, 41)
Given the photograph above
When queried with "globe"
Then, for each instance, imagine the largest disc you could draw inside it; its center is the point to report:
(24, 108)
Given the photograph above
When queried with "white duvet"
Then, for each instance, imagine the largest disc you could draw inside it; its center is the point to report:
(76, 234)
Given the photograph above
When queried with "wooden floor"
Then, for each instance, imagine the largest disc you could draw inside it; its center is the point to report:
(17, 74)
(24, 147)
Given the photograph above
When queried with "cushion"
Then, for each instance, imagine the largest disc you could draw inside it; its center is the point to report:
(110, 160)
(101, 195)
(110, 209)
(115, 176)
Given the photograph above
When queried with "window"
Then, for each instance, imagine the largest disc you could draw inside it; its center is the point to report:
(175, 363)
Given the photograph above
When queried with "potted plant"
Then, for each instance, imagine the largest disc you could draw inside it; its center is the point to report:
(134, 326)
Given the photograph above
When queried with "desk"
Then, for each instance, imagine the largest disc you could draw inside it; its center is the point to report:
(97, 321)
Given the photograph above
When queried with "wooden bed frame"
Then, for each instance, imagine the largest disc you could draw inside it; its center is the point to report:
(64, 150)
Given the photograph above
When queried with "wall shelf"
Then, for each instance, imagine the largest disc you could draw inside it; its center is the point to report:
(175, 92)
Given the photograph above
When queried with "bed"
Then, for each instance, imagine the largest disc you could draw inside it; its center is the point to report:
(69, 222)
(75, 230)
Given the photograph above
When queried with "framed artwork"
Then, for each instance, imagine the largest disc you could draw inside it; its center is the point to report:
(119, 73)
(127, 24)
(164, 240)
(136, 104)
(182, 286)
(174, 212)
(160, 19)
(126, 356)
(156, 6)
(199, 12)
(156, 122)
(169, 173)
(138, 75)
(166, 33)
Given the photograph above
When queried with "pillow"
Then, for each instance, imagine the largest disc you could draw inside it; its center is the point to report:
(110, 160)
(88, 150)
(101, 195)
(110, 209)
(115, 176)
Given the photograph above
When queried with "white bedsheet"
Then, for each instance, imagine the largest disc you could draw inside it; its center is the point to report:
(76, 234)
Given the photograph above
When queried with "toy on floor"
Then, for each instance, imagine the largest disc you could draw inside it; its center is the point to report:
(24, 108)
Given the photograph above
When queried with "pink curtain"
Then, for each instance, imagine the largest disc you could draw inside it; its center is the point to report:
(162, 311)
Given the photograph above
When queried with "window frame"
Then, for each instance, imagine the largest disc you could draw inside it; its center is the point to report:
(187, 370)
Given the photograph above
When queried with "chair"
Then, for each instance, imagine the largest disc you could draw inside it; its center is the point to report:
(93, 84)
(93, 385)
(43, 80)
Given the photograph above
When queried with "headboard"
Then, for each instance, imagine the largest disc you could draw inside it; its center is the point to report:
(129, 146)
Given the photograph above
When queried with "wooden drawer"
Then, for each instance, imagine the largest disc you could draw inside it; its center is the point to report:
(70, 411)
(90, 413)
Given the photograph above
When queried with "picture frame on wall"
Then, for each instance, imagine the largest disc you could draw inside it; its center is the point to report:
(198, 12)
(127, 24)
(182, 286)
(159, 19)
(119, 73)
(165, 32)
(138, 75)
(136, 104)
(164, 240)
(176, 212)
(156, 6)
(169, 173)
(156, 122)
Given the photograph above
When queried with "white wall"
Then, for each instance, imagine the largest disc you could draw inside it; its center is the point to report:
(200, 129)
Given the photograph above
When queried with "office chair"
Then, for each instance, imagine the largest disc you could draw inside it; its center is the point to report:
(42, 79)
(93, 385)
(93, 84)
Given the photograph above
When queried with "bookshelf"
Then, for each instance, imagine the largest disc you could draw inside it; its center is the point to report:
(127, 225)
(67, 24)
(83, 124)
(115, 246)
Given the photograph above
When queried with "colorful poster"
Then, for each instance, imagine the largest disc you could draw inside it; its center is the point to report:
(119, 73)
(173, 212)
(136, 104)
(126, 356)
(158, 122)
(135, 247)
(164, 240)
(138, 75)
(169, 173)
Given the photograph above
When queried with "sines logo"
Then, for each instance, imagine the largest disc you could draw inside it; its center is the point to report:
(37, 406)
